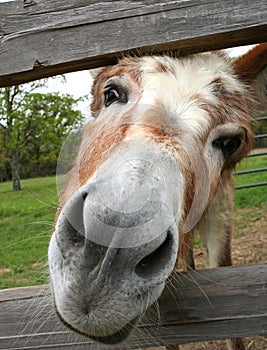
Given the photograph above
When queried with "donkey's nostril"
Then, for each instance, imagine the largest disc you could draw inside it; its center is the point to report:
(84, 195)
(75, 238)
(156, 261)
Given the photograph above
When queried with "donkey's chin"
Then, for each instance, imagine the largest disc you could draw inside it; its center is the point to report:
(118, 336)
(114, 338)
(106, 325)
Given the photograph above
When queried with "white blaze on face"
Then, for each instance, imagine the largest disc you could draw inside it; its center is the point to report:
(185, 85)
(182, 91)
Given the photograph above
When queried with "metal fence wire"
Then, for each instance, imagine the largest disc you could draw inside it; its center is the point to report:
(261, 152)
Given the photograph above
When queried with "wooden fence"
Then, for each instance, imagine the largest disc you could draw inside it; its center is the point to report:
(255, 153)
(41, 38)
(197, 306)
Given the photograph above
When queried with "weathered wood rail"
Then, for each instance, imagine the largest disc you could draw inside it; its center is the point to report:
(43, 38)
(196, 306)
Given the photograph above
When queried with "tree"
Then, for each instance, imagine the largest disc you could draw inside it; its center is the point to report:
(260, 128)
(33, 127)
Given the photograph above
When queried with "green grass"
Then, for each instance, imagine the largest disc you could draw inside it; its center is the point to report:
(251, 197)
(26, 217)
(250, 203)
(25, 228)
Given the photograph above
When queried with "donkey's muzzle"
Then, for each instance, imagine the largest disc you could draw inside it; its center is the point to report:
(134, 197)
(130, 207)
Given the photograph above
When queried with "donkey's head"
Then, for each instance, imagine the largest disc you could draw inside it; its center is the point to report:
(165, 131)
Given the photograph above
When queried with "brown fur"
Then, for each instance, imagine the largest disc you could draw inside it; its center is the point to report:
(95, 152)
(231, 107)
(162, 68)
(250, 64)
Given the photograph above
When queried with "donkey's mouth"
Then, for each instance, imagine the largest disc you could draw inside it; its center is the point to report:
(119, 336)
(114, 338)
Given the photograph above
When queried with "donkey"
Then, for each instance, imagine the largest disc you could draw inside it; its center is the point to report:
(153, 168)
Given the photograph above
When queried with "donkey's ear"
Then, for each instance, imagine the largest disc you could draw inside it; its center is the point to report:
(252, 69)
(94, 72)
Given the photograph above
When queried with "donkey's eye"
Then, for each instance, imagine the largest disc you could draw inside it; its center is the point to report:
(113, 94)
(228, 145)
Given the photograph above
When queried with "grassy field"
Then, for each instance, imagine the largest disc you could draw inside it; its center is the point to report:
(26, 223)
(251, 197)
(250, 203)
(25, 227)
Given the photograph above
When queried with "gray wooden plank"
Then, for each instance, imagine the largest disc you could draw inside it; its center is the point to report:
(196, 306)
(23, 293)
(54, 37)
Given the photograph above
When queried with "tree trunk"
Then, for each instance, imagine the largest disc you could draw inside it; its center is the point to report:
(15, 171)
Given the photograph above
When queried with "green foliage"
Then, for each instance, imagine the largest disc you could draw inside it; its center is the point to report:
(259, 128)
(52, 119)
(33, 127)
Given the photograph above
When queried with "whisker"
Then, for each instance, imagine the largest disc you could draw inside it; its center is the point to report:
(41, 235)
(54, 206)
(190, 277)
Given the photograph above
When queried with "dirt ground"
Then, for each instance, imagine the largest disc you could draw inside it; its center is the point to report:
(248, 248)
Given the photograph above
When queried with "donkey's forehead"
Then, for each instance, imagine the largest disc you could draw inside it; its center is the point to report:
(185, 87)
(196, 71)
(177, 77)
(190, 75)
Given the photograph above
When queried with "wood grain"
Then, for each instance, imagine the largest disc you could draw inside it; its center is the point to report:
(43, 38)
(196, 306)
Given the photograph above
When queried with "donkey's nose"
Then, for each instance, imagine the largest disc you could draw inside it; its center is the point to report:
(125, 217)
(141, 243)
(134, 198)
(114, 218)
